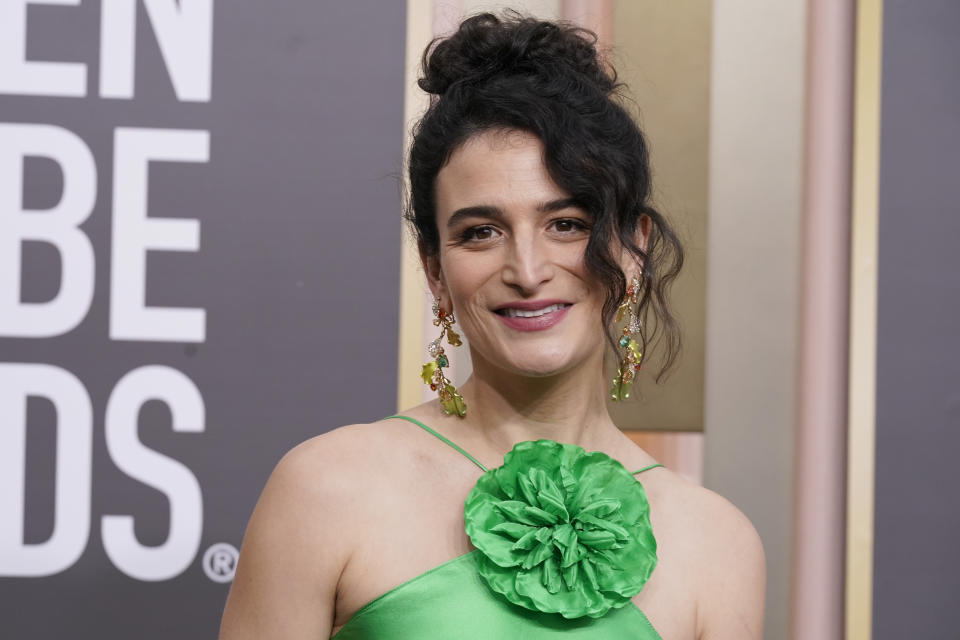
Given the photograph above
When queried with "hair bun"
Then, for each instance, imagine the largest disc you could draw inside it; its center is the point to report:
(485, 46)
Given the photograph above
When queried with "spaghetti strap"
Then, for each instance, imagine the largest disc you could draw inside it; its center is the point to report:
(470, 457)
(652, 466)
(441, 437)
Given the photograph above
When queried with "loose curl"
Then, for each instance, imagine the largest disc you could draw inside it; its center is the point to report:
(518, 73)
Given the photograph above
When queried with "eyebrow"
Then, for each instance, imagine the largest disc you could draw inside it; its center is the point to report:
(490, 211)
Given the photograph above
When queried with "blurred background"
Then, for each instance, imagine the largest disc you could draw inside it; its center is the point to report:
(202, 264)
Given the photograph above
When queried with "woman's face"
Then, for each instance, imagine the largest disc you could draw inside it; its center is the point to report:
(511, 258)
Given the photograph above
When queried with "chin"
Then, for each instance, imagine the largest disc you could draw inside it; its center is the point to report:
(542, 364)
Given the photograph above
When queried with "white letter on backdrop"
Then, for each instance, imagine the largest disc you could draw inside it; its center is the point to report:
(134, 233)
(176, 481)
(71, 507)
(184, 31)
(21, 77)
(58, 226)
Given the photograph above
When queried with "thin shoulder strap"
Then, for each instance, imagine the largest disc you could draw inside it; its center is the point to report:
(441, 437)
(652, 466)
(470, 457)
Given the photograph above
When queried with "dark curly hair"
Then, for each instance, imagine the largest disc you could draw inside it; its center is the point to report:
(515, 72)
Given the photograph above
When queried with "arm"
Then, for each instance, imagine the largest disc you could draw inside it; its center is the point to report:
(293, 552)
(730, 601)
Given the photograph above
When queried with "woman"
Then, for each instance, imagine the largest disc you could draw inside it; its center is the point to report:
(481, 514)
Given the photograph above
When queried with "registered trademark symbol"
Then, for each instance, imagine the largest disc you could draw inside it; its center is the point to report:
(220, 562)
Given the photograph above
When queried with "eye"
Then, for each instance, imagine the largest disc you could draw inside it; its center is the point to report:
(568, 226)
(478, 233)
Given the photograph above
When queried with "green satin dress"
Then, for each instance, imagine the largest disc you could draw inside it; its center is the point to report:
(452, 600)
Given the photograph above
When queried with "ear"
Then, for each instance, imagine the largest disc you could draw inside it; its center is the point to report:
(630, 263)
(435, 279)
(644, 225)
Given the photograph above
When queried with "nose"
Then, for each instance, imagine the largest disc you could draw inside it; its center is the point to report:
(527, 265)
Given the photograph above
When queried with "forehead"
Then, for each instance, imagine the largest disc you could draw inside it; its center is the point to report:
(500, 168)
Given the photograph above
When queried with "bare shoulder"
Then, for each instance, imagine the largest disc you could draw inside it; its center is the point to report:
(320, 475)
(324, 461)
(299, 537)
(327, 483)
(723, 523)
(732, 584)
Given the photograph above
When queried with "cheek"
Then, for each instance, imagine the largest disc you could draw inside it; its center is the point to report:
(472, 281)
(465, 279)
(591, 289)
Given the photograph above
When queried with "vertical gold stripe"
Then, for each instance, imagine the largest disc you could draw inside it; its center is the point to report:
(419, 32)
(863, 320)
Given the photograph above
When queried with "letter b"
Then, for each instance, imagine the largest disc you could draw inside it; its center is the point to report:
(58, 226)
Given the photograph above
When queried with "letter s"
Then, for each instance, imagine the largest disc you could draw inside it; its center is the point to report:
(176, 481)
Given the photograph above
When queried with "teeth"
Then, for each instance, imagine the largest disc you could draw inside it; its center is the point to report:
(517, 313)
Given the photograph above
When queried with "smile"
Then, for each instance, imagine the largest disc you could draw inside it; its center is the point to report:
(512, 312)
(536, 318)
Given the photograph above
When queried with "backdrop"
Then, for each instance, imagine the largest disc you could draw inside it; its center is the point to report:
(916, 511)
(199, 244)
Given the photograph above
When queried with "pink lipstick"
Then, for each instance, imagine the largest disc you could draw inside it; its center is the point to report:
(533, 315)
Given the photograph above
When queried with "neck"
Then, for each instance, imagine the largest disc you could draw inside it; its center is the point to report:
(567, 407)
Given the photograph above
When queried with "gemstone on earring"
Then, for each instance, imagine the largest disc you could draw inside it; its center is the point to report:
(452, 402)
(453, 337)
(434, 348)
(624, 341)
(428, 371)
(442, 360)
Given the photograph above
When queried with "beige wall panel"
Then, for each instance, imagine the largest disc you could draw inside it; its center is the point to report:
(756, 134)
(662, 52)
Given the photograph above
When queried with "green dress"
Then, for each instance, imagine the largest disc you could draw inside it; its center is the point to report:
(563, 543)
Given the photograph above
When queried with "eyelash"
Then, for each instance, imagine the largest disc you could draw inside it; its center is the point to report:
(578, 225)
(468, 234)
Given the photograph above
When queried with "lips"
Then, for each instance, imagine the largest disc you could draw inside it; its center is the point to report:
(533, 315)
(513, 312)
(531, 305)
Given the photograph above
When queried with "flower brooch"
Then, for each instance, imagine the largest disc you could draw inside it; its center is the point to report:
(561, 530)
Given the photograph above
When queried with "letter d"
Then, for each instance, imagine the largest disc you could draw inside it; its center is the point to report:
(71, 521)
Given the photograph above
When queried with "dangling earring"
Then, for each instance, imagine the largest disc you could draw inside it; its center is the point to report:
(432, 372)
(631, 358)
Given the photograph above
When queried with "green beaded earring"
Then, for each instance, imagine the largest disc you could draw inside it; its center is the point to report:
(632, 356)
(432, 372)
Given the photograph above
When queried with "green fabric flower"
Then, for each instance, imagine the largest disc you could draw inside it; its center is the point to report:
(561, 530)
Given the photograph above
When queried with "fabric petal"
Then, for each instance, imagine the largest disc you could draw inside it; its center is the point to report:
(516, 511)
(513, 529)
(561, 530)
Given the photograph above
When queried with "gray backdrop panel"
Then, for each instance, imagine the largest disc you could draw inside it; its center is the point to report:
(917, 526)
(297, 271)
